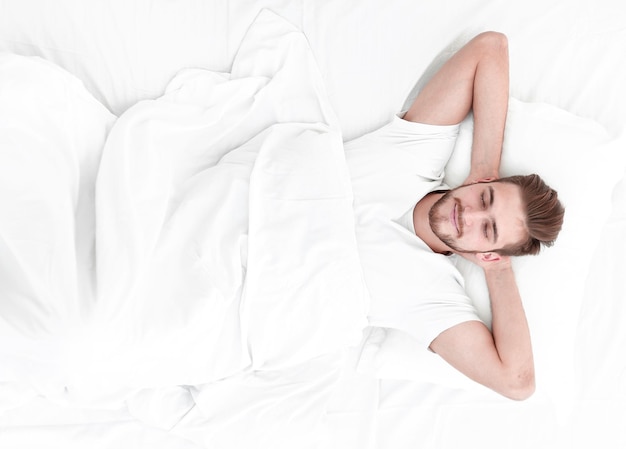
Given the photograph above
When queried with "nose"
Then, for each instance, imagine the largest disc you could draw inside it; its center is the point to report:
(471, 216)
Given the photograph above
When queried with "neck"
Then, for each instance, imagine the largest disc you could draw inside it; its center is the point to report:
(422, 225)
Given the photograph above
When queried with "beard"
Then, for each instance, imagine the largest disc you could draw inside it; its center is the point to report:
(437, 218)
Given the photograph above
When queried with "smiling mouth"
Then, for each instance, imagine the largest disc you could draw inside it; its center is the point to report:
(457, 218)
(454, 218)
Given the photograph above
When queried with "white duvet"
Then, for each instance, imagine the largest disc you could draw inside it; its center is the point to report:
(224, 234)
(51, 137)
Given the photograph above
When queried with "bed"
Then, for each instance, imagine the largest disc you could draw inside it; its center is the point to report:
(178, 265)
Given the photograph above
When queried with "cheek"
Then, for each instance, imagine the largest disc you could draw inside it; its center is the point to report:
(471, 237)
(475, 240)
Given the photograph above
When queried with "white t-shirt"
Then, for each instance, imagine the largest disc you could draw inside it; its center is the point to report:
(411, 288)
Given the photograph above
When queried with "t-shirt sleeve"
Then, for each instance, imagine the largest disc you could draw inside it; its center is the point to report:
(394, 165)
(437, 312)
(413, 289)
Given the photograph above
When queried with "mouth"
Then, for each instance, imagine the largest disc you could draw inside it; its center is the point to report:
(454, 218)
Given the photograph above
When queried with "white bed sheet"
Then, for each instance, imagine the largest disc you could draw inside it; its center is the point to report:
(567, 54)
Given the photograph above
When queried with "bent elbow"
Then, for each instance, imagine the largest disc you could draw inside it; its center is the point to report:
(493, 40)
(521, 393)
(522, 388)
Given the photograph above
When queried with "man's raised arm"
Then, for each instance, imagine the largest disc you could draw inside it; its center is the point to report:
(476, 78)
(502, 359)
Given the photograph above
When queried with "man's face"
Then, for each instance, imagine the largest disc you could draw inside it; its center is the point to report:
(479, 217)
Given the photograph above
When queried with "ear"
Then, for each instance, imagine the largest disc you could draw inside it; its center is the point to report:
(488, 256)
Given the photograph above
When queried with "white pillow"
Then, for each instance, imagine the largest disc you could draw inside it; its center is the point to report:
(576, 157)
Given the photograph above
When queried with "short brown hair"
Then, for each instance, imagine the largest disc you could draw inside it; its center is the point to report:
(544, 214)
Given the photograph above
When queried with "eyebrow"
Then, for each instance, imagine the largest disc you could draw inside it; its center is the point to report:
(493, 222)
(495, 231)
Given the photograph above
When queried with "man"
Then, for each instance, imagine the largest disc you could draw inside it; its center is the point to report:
(486, 221)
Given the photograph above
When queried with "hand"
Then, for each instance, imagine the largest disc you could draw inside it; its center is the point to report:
(476, 178)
